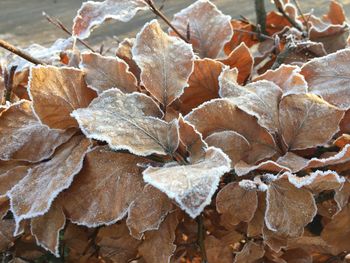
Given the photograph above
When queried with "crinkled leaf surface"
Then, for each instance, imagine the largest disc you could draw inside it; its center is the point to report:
(166, 62)
(192, 186)
(92, 14)
(209, 28)
(56, 92)
(128, 121)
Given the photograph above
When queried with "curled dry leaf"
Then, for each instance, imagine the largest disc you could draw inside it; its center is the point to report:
(250, 253)
(236, 204)
(285, 217)
(301, 115)
(242, 168)
(34, 194)
(223, 115)
(128, 121)
(328, 77)
(124, 51)
(166, 62)
(46, 229)
(56, 92)
(192, 186)
(259, 99)
(209, 29)
(92, 14)
(23, 137)
(103, 73)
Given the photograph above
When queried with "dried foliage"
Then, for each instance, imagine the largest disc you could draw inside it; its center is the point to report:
(207, 142)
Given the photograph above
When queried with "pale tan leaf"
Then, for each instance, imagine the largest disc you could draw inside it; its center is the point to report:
(11, 177)
(241, 59)
(217, 251)
(56, 92)
(203, 84)
(250, 253)
(46, 229)
(274, 240)
(192, 186)
(34, 194)
(328, 77)
(256, 224)
(223, 115)
(342, 195)
(92, 14)
(287, 77)
(147, 211)
(209, 28)
(127, 121)
(23, 137)
(103, 73)
(124, 51)
(7, 228)
(303, 114)
(158, 244)
(259, 99)
(230, 142)
(293, 161)
(236, 204)
(166, 62)
(288, 209)
(104, 189)
(242, 168)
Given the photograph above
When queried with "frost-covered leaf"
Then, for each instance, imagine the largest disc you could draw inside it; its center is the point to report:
(241, 59)
(128, 121)
(328, 77)
(23, 137)
(288, 209)
(103, 73)
(287, 77)
(303, 114)
(46, 229)
(208, 27)
(242, 168)
(192, 186)
(104, 189)
(223, 115)
(124, 51)
(259, 99)
(158, 245)
(256, 224)
(7, 228)
(342, 195)
(92, 14)
(11, 177)
(166, 62)
(33, 195)
(56, 92)
(236, 204)
(230, 142)
(203, 84)
(250, 253)
(147, 211)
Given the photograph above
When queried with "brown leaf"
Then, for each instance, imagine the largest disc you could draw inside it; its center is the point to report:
(7, 228)
(158, 244)
(207, 38)
(11, 177)
(192, 186)
(242, 34)
(256, 224)
(241, 59)
(147, 211)
(230, 142)
(342, 140)
(250, 253)
(203, 84)
(336, 233)
(104, 189)
(223, 115)
(134, 116)
(166, 62)
(342, 195)
(287, 77)
(274, 240)
(298, 255)
(33, 195)
(336, 14)
(92, 14)
(301, 115)
(217, 251)
(46, 229)
(103, 73)
(4, 206)
(242, 168)
(327, 77)
(23, 137)
(288, 209)
(236, 204)
(124, 51)
(56, 92)
(259, 99)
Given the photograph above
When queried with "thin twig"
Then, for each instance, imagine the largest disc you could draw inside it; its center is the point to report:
(290, 20)
(260, 17)
(20, 53)
(200, 238)
(61, 26)
(9, 82)
(253, 33)
(159, 13)
(296, 2)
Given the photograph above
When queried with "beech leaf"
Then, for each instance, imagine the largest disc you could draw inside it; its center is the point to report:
(250, 253)
(128, 122)
(6, 234)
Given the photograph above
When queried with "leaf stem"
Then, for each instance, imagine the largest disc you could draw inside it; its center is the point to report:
(9, 82)
(260, 12)
(200, 238)
(290, 20)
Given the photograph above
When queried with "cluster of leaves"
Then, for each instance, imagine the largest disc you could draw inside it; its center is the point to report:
(226, 145)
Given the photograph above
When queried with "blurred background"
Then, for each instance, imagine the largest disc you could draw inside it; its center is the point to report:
(22, 23)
